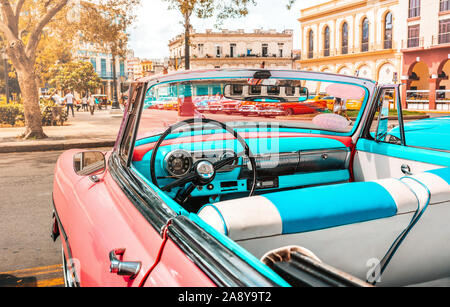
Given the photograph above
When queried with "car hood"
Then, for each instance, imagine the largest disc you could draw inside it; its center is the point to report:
(428, 133)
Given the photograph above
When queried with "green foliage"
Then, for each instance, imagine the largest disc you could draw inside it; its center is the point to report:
(75, 76)
(51, 113)
(11, 113)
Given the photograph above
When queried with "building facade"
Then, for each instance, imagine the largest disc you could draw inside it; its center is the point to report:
(426, 53)
(352, 37)
(234, 49)
(103, 65)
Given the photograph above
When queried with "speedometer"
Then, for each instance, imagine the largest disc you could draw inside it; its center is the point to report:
(178, 163)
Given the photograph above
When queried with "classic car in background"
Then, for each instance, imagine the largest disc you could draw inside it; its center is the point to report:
(309, 201)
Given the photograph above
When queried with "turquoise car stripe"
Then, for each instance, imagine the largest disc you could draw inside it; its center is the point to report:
(330, 206)
(444, 173)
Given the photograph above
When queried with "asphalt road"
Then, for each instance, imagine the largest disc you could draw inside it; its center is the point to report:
(28, 256)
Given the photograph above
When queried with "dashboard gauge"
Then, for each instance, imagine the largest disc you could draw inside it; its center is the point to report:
(178, 163)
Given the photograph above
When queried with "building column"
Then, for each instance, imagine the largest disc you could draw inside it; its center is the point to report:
(434, 85)
(406, 83)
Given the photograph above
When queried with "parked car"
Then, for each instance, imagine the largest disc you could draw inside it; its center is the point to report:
(230, 106)
(270, 109)
(317, 201)
(215, 104)
(249, 108)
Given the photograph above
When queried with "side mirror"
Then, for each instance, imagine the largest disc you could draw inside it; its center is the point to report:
(89, 163)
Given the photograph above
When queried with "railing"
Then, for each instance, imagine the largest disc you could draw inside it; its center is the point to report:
(413, 42)
(414, 12)
(388, 44)
(443, 100)
(444, 5)
(418, 99)
(442, 38)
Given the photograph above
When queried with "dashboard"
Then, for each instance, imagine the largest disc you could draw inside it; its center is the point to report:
(274, 170)
(282, 163)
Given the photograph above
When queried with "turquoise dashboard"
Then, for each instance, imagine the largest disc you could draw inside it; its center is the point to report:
(284, 160)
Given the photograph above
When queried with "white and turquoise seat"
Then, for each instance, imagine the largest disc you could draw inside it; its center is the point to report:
(317, 208)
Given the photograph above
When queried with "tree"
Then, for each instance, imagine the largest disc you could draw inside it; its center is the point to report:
(22, 24)
(222, 9)
(76, 76)
(105, 24)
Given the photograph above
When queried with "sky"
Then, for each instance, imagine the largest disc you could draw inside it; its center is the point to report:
(156, 25)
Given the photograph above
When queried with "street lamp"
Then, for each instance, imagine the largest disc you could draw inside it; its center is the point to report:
(5, 63)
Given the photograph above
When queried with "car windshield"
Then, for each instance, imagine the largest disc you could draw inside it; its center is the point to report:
(314, 105)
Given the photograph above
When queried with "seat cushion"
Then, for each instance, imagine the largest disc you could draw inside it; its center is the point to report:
(305, 210)
(317, 208)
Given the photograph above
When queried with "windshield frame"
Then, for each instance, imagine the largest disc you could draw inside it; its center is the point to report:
(369, 86)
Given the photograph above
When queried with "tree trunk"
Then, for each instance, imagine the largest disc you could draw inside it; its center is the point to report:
(30, 97)
(187, 43)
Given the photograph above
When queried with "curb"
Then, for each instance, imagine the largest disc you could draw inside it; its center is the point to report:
(12, 148)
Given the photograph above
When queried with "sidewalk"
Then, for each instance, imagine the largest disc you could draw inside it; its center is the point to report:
(83, 131)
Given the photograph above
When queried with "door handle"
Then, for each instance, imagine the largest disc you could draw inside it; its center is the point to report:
(123, 268)
(406, 170)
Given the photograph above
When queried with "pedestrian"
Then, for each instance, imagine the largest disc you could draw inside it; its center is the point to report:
(84, 102)
(91, 103)
(340, 107)
(69, 99)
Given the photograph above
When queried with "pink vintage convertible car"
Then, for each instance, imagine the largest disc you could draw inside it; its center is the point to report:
(258, 202)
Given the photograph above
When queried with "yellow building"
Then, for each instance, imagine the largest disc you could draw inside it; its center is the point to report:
(147, 67)
(352, 37)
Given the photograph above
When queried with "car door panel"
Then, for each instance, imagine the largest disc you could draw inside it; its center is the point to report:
(102, 219)
(374, 160)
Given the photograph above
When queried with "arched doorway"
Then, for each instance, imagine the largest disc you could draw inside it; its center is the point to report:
(443, 87)
(345, 71)
(364, 71)
(386, 74)
(418, 91)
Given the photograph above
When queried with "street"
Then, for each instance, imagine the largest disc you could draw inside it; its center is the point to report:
(28, 256)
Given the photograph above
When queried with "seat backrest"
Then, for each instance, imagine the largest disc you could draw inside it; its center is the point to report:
(316, 208)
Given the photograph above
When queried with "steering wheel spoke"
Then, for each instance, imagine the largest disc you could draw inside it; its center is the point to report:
(202, 173)
(179, 182)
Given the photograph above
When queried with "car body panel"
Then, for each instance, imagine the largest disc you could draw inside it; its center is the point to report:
(123, 208)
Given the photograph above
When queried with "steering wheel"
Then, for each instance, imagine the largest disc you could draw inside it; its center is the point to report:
(202, 172)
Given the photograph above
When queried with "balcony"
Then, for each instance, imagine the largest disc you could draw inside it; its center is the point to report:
(440, 39)
(413, 42)
(346, 50)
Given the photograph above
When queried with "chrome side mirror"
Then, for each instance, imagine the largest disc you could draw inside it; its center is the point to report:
(89, 163)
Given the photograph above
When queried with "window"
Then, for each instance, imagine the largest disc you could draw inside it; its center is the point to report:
(387, 129)
(122, 69)
(444, 31)
(218, 51)
(94, 63)
(280, 50)
(365, 35)
(326, 42)
(265, 50)
(444, 5)
(413, 36)
(414, 8)
(311, 44)
(344, 38)
(232, 50)
(388, 30)
(201, 49)
(103, 68)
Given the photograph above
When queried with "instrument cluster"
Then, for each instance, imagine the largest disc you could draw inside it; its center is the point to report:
(178, 163)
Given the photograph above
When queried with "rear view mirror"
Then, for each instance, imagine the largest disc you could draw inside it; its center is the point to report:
(89, 163)
(266, 93)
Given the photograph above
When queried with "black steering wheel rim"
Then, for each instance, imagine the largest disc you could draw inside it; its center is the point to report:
(230, 130)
